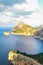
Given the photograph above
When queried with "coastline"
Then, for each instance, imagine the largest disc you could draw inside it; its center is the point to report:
(21, 34)
(19, 58)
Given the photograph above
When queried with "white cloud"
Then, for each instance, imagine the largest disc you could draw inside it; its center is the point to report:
(19, 7)
(29, 5)
(35, 19)
(8, 18)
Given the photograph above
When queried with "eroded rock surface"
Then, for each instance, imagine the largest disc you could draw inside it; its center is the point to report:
(23, 60)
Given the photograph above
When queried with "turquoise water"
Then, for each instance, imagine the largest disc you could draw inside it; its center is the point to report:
(26, 44)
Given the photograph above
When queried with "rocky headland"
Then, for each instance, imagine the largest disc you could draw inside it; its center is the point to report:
(19, 59)
(23, 29)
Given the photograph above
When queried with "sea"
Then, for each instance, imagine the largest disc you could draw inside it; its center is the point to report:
(26, 44)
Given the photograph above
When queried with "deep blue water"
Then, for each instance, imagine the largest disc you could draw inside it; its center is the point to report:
(26, 44)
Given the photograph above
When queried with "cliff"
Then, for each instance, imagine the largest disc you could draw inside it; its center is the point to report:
(19, 59)
(22, 28)
(39, 34)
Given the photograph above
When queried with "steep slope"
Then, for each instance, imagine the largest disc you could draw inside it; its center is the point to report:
(22, 28)
(39, 34)
(18, 59)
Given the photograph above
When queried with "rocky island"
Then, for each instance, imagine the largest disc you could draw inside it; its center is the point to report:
(19, 59)
(6, 33)
(23, 29)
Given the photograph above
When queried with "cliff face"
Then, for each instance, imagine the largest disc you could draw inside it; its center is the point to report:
(23, 28)
(19, 59)
(39, 34)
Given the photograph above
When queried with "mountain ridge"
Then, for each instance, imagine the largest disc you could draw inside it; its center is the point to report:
(23, 28)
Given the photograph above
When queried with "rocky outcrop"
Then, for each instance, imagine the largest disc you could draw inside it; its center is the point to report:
(6, 33)
(39, 34)
(25, 29)
(19, 59)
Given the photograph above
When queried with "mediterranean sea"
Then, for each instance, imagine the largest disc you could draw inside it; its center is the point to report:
(25, 44)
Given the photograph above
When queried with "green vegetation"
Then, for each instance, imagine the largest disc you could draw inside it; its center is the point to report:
(19, 30)
(37, 57)
(24, 29)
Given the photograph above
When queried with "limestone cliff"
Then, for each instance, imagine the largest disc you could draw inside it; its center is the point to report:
(23, 28)
(19, 59)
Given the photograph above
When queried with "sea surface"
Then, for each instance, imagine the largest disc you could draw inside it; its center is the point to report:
(25, 44)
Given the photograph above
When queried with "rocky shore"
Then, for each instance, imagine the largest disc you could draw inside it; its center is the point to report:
(6, 33)
(39, 34)
(19, 59)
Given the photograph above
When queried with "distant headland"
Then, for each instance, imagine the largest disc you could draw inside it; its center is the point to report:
(23, 29)
(26, 30)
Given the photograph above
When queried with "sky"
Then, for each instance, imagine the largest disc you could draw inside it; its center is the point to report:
(15, 11)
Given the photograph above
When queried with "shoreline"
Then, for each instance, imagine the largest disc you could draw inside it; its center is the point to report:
(34, 57)
(21, 34)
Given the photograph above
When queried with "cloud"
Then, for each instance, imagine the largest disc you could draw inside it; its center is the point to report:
(29, 5)
(7, 19)
(36, 19)
(2, 7)
(28, 11)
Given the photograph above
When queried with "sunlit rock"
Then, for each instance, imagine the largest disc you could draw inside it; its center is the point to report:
(6, 33)
(19, 59)
(23, 29)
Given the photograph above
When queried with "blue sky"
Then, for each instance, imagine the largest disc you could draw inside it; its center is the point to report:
(11, 2)
(14, 11)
